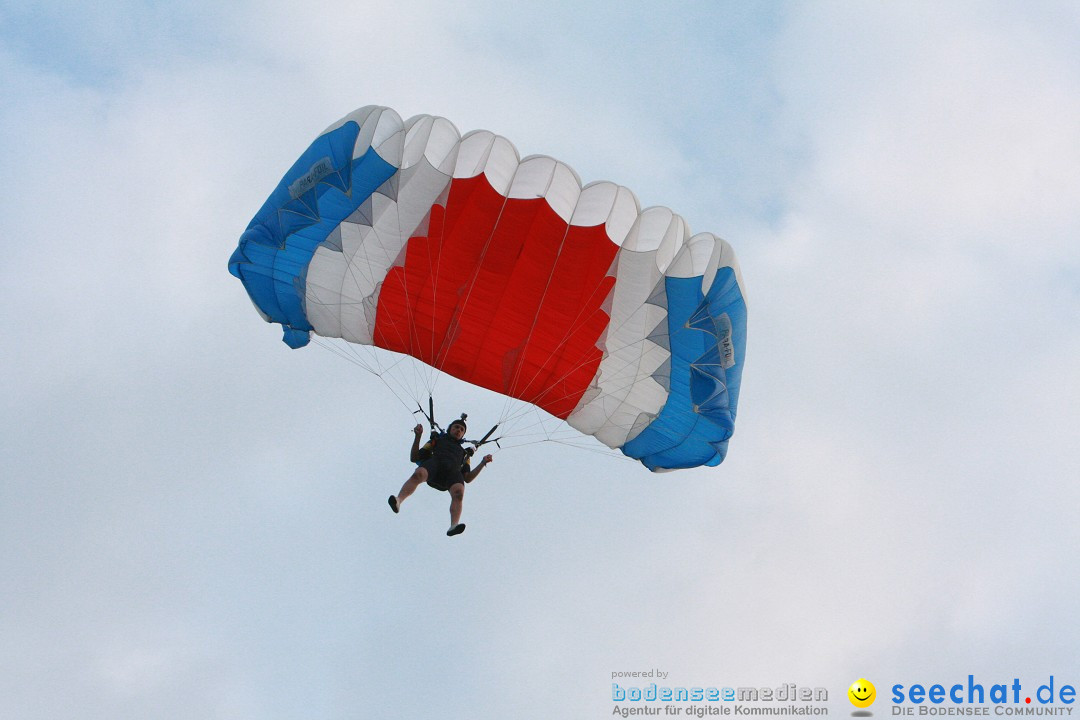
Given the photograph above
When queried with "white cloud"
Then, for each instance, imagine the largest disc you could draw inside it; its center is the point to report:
(201, 515)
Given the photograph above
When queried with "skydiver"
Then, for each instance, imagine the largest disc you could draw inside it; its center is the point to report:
(443, 463)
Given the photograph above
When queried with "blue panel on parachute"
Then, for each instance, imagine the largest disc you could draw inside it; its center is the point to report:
(321, 189)
(707, 335)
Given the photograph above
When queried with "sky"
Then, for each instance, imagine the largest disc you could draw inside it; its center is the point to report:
(193, 518)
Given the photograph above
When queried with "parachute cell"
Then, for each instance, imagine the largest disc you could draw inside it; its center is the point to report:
(508, 274)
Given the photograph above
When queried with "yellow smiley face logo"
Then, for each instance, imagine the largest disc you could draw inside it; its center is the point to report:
(862, 693)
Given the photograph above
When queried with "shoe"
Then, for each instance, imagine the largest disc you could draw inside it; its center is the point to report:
(456, 530)
(393, 503)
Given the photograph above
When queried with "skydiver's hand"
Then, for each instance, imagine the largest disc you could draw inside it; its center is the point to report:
(487, 459)
(418, 430)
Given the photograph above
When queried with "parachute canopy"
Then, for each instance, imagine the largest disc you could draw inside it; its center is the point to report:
(508, 274)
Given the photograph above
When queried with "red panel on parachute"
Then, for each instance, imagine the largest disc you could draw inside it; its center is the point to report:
(502, 293)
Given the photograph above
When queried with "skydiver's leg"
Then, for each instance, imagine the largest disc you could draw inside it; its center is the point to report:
(457, 494)
(418, 478)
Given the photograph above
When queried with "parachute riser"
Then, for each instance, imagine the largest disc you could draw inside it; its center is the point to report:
(429, 414)
(484, 440)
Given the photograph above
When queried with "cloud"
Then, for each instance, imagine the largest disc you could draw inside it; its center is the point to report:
(194, 516)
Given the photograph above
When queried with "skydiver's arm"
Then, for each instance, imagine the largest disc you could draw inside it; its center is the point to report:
(471, 475)
(414, 453)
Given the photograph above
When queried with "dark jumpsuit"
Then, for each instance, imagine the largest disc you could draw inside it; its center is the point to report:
(445, 460)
